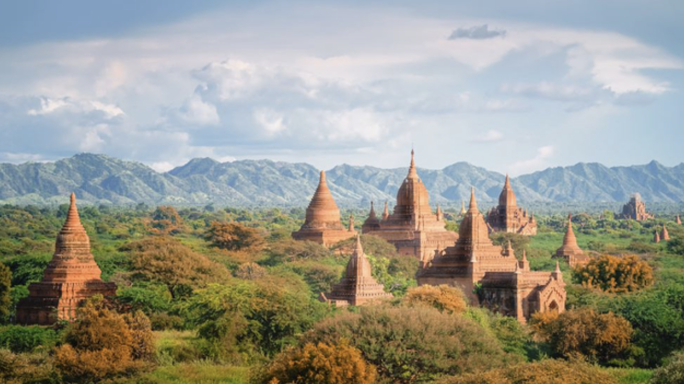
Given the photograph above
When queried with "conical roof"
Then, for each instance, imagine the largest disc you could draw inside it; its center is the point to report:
(322, 211)
(665, 235)
(507, 196)
(412, 197)
(569, 241)
(473, 232)
(358, 266)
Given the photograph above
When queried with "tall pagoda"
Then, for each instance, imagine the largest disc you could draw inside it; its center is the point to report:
(508, 217)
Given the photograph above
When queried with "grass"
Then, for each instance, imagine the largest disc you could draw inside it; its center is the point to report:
(631, 375)
(195, 373)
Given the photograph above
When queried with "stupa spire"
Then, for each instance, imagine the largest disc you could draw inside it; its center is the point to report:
(666, 235)
(679, 221)
(412, 173)
(569, 239)
(385, 213)
(463, 210)
(472, 208)
(656, 237)
(372, 211)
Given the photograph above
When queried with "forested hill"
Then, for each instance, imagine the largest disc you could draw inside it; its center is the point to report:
(102, 179)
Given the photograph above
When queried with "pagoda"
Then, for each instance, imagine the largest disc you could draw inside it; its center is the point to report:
(71, 277)
(508, 217)
(656, 237)
(678, 220)
(412, 227)
(635, 209)
(570, 251)
(665, 235)
(322, 224)
(506, 284)
(358, 287)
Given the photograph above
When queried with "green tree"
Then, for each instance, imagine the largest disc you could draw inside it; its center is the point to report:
(5, 291)
(672, 372)
(615, 274)
(234, 237)
(443, 297)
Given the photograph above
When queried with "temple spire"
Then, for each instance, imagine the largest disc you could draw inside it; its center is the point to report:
(569, 238)
(73, 219)
(463, 210)
(372, 211)
(472, 208)
(412, 173)
(385, 213)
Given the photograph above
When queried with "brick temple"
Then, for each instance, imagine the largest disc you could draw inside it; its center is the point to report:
(71, 277)
(570, 251)
(322, 224)
(504, 283)
(358, 287)
(635, 209)
(412, 227)
(508, 217)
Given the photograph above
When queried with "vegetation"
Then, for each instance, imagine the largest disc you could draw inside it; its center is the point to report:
(615, 274)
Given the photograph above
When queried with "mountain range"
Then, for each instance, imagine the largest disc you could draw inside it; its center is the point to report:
(105, 180)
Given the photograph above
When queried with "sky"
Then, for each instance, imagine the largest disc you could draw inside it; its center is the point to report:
(513, 87)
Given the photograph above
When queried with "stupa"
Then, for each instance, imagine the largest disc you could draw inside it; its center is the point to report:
(71, 277)
(412, 227)
(322, 224)
(508, 217)
(678, 220)
(506, 285)
(358, 287)
(570, 251)
(635, 209)
(665, 235)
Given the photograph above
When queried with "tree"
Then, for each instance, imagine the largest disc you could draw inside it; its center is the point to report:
(410, 346)
(443, 297)
(547, 371)
(671, 372)
(250, 271)
(5, 291)
(615, 274)
(322, 363)
(166, 221)
(599, 337)
(234, 237)
(166, 260)
(103, 344)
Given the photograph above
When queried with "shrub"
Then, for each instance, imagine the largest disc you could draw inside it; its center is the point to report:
(543, 372)
(615, 274)
(671, 372)
(234, 237)
(26, 368)
(585, 333)
(409, 346)
(443, 297)
(322, 363)
(166, 221)
(5, 287)
(20, 339)
(250, 271)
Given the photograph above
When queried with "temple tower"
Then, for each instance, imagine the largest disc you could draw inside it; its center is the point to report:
(358, 287)
(71, 277)
(570, 251)
(635, 209)
(508, 217)
(322, 224)
(665, 235)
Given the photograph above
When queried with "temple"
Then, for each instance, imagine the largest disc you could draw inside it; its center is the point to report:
(664, 235)
(678, 220)
(508, 217)
(358, 287)
(71, 277)
(412, 227)
(491, 275)
(656, 237)
(635, 209)
(570, 251)
(322, 224)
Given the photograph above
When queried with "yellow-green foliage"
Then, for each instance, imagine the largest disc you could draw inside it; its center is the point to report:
(321, 363)
(443, 297)
(615, 274)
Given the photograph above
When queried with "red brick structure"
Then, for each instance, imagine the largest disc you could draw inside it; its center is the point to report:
(504, 283)
(678, 220)
(665, 235)
(71, 277)
(570, 251)
(322, 224)
(656, 237)
(412, 227)
(508, 217)
(358, 287)
(635, 209)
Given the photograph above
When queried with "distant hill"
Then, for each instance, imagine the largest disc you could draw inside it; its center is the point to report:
(102, 179)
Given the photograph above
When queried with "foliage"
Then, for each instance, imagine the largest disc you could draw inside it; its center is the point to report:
(166, 221)
(676, 246)
(671, 372)
(250, 271)
(409, 346)
(519, 243)
(234, 236)
(290, 250)
(26, 368)
(20, 339)
(103, 344)
(512, 336)
(322, 363)
(615, 274)
(543, 372)
(443, 297)
(167, 261)
(584, 333)
(5, 288)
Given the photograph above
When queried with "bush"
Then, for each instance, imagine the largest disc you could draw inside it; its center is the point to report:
(234, 237)
(166, 221)
(615, 274)
(443, 297)
(672, 372)
(322, 363)
(20, 339)
(598, 337)
(26, 368)
(409, 346)
(543, 372)
(5, 288)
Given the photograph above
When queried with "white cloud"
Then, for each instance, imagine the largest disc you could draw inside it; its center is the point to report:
(489, 137)
(271, 121)
(49, 106)
(538, 162)
(195, 111)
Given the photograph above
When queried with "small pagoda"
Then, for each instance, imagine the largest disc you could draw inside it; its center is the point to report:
(71, 277)
(570, 251)
(358, 287)
(322, 224)
(508, 217)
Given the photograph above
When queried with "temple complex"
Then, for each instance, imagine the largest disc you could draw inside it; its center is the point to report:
(508, 217)
(635, 209)
(506, 284)
(322, 224)
(358, 287)
(71, 277)
(412, 227)
(570, 251)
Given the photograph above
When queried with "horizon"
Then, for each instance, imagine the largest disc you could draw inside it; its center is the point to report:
(513, 88)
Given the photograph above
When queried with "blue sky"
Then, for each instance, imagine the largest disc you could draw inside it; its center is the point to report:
(511, 86)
